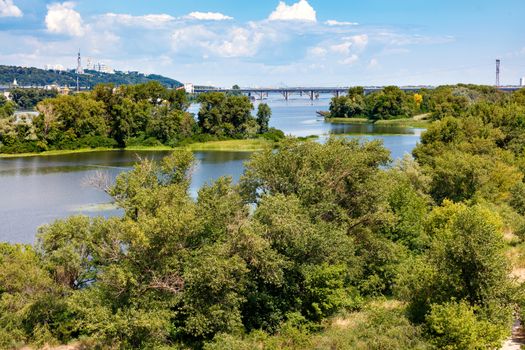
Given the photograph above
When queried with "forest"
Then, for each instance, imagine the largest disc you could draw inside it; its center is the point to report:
(318, 246)
(146, 114)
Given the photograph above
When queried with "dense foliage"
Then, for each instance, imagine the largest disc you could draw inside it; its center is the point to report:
(145, 114)
(388, 103)
(324, 246)
(26, 76)
(27, 99)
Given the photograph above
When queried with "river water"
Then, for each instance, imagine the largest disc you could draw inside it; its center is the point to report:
(38, 190)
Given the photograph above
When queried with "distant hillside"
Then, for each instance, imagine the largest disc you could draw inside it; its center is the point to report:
(40, 77)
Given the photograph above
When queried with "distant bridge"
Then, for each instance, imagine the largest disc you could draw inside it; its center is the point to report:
(310, 92)
(314, 92)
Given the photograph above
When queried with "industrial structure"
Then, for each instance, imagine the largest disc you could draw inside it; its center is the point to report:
(498, 62)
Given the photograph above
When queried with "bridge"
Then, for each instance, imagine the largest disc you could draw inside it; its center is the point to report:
(314, 92)
(311, 92)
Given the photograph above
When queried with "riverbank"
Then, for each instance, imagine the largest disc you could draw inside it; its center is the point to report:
(251, 145)
(418, 121)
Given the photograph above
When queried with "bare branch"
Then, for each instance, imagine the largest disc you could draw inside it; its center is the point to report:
(99, 180)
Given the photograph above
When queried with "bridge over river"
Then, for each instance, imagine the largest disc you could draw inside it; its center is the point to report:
(315, 92)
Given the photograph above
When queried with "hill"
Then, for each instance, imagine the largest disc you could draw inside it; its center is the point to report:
(39, 77)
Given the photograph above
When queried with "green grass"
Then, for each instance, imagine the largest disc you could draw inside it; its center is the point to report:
(418, 121)
(56, 152)
(250, 145)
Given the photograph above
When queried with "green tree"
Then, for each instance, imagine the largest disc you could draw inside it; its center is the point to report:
(465, 262)
(263, 117)
(389, 103)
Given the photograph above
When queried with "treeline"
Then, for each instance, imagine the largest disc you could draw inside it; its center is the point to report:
(325, 246)
(31, 76)
(133, 115)
(27, 99)
(394, 103)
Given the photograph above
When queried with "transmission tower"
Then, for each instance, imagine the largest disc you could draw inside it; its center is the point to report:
(79, 64)
(498, 62)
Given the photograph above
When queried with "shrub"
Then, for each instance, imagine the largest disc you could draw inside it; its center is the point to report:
(456, 326)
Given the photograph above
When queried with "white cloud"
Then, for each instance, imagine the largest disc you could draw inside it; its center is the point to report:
(333, 23)
(149, 21)
(350, 60)
(317, 51)
(208, 16)
(235, 42)
(191, 36)
(360, 41)
(240, 43)
(9, 9)
(353, 43)
(300, 11)
(63, 19)
(343, 48)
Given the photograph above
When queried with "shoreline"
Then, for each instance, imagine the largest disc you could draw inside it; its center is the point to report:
(249, 145)
(405, 122)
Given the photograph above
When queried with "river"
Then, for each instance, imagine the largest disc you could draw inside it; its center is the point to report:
(38, 190)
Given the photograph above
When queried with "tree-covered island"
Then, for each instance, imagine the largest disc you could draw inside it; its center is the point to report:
(143, 115)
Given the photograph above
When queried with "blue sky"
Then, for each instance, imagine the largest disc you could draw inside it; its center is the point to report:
(275, 43)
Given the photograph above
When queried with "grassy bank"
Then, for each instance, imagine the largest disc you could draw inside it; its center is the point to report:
(419, 121)
(225, 146)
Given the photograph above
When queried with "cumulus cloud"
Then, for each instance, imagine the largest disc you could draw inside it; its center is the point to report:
(334, 23)
(353, 43)
(350, 60)
(63, 19)
(360, 41)
(208, 16)
(343, 48)
(241, 42)
(300, 11)
(152, 20)
(234, 42)
(9, 9)
(317, 51)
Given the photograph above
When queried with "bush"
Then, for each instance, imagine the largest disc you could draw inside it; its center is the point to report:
(455, 326)
(273, 134)
(97, 141)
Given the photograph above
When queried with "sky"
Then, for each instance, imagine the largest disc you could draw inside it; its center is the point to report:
(274, 43)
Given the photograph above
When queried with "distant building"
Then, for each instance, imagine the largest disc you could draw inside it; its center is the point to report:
(189, 87)
(15, 83)
(7, 95)
(522, 81)
(55, 67)
(62, 90)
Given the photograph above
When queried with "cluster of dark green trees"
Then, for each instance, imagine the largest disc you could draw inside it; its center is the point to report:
(27, 99)
(319, 246)
(31, 76)
(145, 114)
(388, 103)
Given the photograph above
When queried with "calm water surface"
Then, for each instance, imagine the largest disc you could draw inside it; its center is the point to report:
(38, 190)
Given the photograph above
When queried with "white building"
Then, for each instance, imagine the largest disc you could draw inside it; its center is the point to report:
(56, 67)
(190, 89)
(522, 81)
